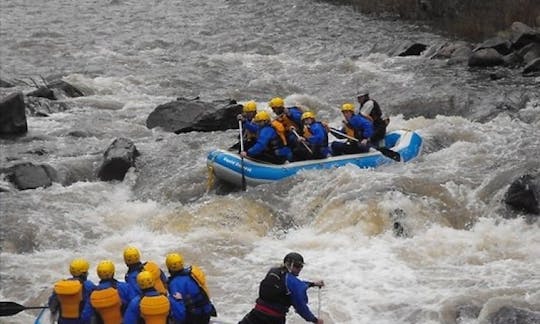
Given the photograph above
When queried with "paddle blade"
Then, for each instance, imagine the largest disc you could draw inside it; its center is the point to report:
(10, 308)
(389, 153)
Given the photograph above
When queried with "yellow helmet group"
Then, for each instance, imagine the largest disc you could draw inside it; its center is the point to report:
(132, 255)
(105, 269)
(78, 267)
(261, 116)
(145, 279)
(250, 106)
(174, 262)
(276, 102)
(347, 107)
(308, 114)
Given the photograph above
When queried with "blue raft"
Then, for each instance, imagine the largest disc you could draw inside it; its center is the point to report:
(227, 166)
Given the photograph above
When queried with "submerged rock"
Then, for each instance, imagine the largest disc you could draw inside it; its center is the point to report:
(117, 159)
(522, 195)
(13, 115)
(30, 176)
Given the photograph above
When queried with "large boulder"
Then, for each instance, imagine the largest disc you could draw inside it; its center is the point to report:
(523, 195)
(533, 68)
(183, 115)
(117, 159)
(511, 315)
(6, 84)
(30, 176)
(498, 43)
(486, 57)
(13, 115)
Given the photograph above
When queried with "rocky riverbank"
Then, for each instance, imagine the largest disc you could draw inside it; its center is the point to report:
(456, 17)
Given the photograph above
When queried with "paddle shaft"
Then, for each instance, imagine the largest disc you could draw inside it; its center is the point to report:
(241, 157)
(12, 308)
(386, 152)
(299, 137)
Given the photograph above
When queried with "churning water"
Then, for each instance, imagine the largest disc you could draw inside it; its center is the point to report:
(129, 56)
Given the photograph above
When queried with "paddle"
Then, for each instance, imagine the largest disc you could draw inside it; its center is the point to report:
(11, 308)
(384, 151)
(299, 137)
(241, 157)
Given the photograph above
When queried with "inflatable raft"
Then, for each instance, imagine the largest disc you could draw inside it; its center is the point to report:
(227, 166)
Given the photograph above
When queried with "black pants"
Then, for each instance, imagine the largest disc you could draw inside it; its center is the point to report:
(257, 317)
(197, 319)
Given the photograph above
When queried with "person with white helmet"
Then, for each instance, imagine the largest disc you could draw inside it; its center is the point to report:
(371, 109)
(70, 299)
(281, 289)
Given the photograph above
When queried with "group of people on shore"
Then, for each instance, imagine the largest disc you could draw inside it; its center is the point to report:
(295, 134)
(148, 296)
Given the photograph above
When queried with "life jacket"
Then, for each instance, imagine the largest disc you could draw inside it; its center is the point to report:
(349, 130)
(307, 132)
(153, 268)
(279, 127)
(108, 304)
(273, 289)
(286, 121)
(70, 296)
(155, 309)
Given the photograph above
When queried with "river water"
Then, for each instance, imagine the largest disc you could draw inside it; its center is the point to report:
(458, 250)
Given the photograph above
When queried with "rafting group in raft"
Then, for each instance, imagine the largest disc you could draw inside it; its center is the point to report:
(296, 135)
(148, 296)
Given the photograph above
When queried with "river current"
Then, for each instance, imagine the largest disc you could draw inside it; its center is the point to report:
(457, 250)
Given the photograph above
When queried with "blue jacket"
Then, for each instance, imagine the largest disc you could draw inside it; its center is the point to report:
(88, 287)
(131, 277)
(266, 135)
(295, 114)
(249, 126)
(195, 299)
(133, 311)
(363, 127)
(299, 298)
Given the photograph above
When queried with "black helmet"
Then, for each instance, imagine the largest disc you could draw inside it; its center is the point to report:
(295, 258)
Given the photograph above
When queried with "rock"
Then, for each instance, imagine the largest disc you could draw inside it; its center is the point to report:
(29, 176)
(184, 116)
(498, 43)
(522, 195)
(512, 59)
(523, 35)
(117, 159)
(42, 107)
(67, 89)
(532, 68)
(485, 57)
(460, 55)
(529, 52)
(414, 49)
(511, 315)
(5, 84)
(448, 49)
(42, 92)
(13, 115)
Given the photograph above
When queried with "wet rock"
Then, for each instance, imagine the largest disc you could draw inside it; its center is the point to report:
(523, 35)
(485, 57)
(529, 52)
(523, 194)
(413, 50)
(13, 115)
(67, 89)
(30, 176)
(448, 50)
(6, 84)
(501, 45)
(43, 107)
(532, 68)
(42, 92)
(117, 159)
(183, 115)
(467, 312)
(511, 315)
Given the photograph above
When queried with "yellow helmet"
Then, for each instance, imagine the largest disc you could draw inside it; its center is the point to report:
(347, 107)
(261, 116)
(250, 106)
(174, 262)
(78, 267)
(308, 114)
(105, 269)
(145, 279)
(276, 102)
(132, 255)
